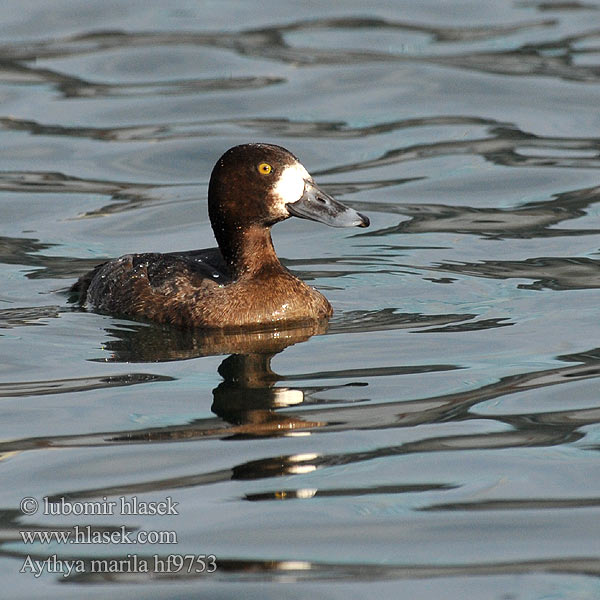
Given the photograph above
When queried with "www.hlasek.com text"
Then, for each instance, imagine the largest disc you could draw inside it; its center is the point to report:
(87, 534)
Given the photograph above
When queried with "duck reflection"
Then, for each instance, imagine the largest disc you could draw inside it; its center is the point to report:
(256, 415)
(247, 399)
(149, 342)
(245, 402)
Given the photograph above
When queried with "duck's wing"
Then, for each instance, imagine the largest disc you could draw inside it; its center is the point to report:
(209, 257)
(162, 271)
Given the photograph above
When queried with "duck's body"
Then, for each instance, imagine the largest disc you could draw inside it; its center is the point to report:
(193, 289)
(241, 283)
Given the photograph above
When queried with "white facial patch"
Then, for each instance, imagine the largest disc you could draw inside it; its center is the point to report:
(290, 185)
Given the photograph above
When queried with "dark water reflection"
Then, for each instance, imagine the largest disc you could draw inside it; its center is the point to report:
(528, 221)
(543, 59)
(351, 454)
(246, 402)
(247, 397)
(555, 273)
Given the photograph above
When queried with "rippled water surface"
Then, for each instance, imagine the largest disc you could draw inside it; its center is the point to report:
(441, 439)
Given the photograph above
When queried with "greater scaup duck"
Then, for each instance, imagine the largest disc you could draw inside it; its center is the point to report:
(241, 283)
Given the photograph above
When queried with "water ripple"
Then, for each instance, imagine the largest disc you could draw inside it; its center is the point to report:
(554, 273)
(527, 429)
(443, 132)
(79, 384)
(531, 220)
(548, 58)
(501, 147)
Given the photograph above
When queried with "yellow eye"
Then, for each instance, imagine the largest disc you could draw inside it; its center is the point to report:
(264, 168)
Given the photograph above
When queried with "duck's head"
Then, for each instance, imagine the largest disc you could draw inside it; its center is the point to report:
(261, 184)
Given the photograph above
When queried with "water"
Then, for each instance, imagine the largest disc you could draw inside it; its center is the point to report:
(441, 439)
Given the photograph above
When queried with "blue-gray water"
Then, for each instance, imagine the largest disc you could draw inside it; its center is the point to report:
(441, 439)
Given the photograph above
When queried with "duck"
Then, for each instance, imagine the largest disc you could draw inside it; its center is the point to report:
(241, 284)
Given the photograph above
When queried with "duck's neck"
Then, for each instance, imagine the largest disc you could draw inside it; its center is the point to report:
(249, 253)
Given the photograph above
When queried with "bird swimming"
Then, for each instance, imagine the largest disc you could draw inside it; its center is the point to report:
(240, 284)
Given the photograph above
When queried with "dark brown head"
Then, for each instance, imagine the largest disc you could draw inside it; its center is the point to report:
(262, 184)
